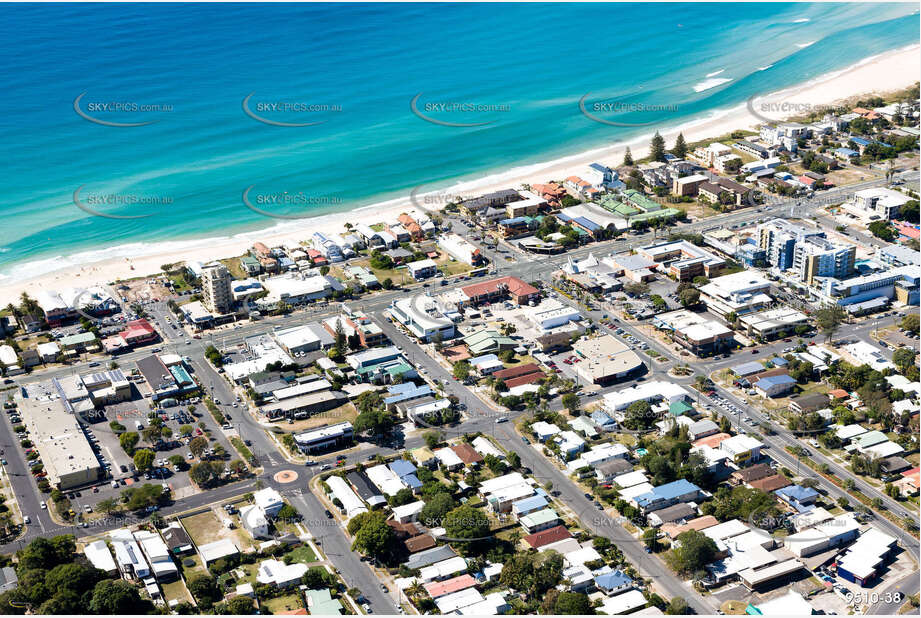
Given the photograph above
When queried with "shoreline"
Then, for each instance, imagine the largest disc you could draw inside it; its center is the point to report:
(882, 73)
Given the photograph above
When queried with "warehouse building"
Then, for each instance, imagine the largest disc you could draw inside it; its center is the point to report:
(66, 453)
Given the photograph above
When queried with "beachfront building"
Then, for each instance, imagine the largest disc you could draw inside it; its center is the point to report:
(215, 287)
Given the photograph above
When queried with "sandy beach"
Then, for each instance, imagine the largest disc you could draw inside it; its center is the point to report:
(884, 73)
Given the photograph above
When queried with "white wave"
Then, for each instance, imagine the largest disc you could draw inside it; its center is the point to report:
(713, 82)
(801, 20)
(714, 73)
(804, 45)
(765, 68)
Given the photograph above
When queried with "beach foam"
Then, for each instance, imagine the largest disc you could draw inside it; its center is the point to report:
(707, 84)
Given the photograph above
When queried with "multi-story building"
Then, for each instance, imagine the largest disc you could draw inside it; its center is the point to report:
(778, 238)
(876, 203)
(215, 285)
(815, 257)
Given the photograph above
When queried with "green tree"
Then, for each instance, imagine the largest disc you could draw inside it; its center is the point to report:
(651, 539)
(287, 513)
(461, 370)
(205, 590)
(681, 147)
(202, 473)
(375, 538)
(677, 607)
(116, 596)
(628, 158)
(198, 445)
(572, 603)
(435, 509)
(639, 415)
(143, 459)
(828, 320)
(904, 358)
(238, 606)
(911, 322)
(570, 402)
(657, 148)
(466, 522)
(128, 441)
(689, 297)
(694, 552)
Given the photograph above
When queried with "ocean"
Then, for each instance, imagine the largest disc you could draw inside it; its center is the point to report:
(329, 124)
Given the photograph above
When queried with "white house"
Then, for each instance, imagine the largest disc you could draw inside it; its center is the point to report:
(254, 521)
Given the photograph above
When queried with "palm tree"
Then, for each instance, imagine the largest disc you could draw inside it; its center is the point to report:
(415, 590)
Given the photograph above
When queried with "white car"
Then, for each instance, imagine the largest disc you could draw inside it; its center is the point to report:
(44, 506)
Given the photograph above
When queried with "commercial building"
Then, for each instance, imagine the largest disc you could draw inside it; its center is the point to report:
(296, 289)
(652, 392)
(138, 332)
(513, 288)
(695, 332)
(356, 324)
(463, 250)
(604, 360)
(772, 323)
(324, 438)
(298, 340)
(684, 260)
(215, 286)
(422, 269)
(166, 376)
(738, 293)
(352, 505)
(425, 317)
(54, 431)
(876, 203)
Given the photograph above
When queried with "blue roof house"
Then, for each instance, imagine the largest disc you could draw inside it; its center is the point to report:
(773, 386)
(603, 421)
(613, 582)
(800, 498)
(666, 495)
(528, 505)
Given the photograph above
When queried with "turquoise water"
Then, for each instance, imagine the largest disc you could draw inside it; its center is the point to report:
(531, 63)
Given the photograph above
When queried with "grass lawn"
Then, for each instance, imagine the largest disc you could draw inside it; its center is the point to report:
(195, 569)
(282, 603)
(345, 412)
(176, 590)
(233, 265)
(303, 554)
(204, 528)
(521, 360)
(452, 267)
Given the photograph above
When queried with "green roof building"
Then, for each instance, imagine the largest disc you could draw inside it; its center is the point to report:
(488, 340)
(680, 407)
(321, 603)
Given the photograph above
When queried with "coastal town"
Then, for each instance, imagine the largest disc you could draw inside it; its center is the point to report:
(687, 383)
